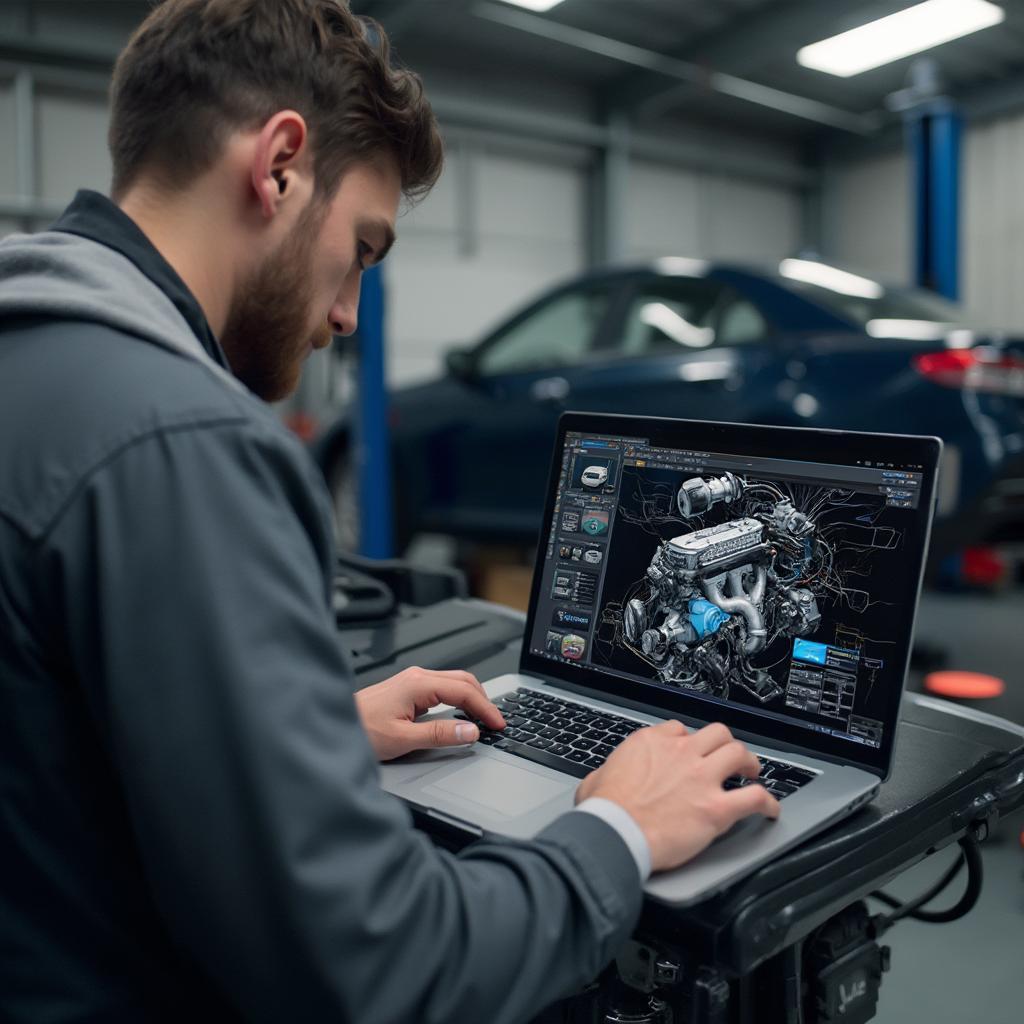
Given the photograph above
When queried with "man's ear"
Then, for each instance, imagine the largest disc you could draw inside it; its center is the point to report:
(276, 160)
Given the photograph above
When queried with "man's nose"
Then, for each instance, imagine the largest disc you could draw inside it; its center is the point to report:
(344, 317)
(344, 314)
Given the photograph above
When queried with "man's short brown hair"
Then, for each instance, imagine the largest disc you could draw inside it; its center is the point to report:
(196, 70)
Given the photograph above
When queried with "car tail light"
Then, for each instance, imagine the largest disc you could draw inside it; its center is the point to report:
(974, 370)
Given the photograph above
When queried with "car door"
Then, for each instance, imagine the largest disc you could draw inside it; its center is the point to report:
(523, 377)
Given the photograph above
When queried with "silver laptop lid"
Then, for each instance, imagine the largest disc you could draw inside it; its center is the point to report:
(766, 577)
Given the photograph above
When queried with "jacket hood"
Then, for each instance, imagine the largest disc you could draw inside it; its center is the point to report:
(64, 276)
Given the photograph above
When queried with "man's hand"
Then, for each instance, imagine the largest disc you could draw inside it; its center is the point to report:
(670, 781)
(388, 711)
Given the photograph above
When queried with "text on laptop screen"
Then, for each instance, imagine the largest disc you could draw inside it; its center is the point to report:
(744, 580)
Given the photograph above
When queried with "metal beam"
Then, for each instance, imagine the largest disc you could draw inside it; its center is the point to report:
(612, 191)
(741, 46)
(25, 133)
(23, 45)
(58, 78)
(996, 100)
(934, 139)
(397, 16)
(373, 445)
(671, 67)
(977, 104)
(516, 122)
(466, 226)
(29, 208)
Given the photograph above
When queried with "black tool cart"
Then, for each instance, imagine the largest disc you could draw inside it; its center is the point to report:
(794, 943)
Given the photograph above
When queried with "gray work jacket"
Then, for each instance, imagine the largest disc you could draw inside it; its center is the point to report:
(191, 825)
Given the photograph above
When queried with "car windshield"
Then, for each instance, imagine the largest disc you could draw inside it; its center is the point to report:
(889, 312)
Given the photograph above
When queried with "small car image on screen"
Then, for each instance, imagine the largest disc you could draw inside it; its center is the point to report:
(594, 476)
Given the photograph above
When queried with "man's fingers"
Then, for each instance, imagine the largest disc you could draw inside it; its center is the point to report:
(752, 799)
(461, 694)
(711, 737)
(455, 673)
(673, 727)
(438, 732)
(733, 759)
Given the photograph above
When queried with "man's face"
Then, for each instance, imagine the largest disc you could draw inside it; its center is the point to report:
(308, 288)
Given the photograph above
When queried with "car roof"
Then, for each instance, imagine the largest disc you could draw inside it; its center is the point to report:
(787, 309)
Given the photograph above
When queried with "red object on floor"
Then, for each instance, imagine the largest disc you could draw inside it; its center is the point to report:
(984, 567)
(964, 685)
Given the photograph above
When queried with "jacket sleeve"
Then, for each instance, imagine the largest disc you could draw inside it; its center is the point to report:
(192, 568)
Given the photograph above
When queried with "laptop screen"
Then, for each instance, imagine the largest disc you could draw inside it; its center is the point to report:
(777, 586)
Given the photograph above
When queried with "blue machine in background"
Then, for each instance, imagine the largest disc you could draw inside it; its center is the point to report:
(933, 138)
(373, 450)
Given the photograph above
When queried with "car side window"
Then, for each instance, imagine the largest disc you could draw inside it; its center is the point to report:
(560, 333)
(739, 321)
(669, 315)
(681, 314)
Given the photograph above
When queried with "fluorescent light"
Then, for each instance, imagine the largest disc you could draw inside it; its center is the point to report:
(671, 324)
(821, 274)
(535, 5)
(912, 330)
(909, 31)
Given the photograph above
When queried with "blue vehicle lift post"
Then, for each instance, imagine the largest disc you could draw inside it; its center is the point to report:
(373, 449)
(933, 135)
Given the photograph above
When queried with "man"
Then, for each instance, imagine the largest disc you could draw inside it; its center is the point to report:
(190, 822)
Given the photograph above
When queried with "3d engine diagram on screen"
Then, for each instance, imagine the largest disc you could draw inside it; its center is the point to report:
(715, 597)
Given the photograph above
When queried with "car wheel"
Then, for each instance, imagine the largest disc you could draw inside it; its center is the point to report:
(343, 484)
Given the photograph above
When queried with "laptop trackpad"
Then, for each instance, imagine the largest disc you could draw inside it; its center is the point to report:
(501, 787)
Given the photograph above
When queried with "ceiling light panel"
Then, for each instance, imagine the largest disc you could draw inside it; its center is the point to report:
(913, 30)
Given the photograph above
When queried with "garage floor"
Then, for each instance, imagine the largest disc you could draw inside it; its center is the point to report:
(972, 969)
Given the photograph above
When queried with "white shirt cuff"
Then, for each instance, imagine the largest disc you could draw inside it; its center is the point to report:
(622, 821)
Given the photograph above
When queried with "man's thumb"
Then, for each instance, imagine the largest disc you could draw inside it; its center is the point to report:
(447, 732)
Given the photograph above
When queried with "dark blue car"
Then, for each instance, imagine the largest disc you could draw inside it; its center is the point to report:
(807, 345)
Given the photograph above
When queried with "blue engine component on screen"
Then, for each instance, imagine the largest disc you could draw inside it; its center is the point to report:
(706, 618)
(717, 596)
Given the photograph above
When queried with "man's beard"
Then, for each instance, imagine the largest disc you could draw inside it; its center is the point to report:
(265, 337)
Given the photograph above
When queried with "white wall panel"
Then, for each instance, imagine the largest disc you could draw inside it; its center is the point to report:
(72, 133)
(489, 237)
(748, 222)
(992, 229)
(674, 212)
(868, 214)
(663, 212)
(525, 200)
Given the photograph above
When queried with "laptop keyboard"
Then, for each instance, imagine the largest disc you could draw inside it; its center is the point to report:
(576, 739)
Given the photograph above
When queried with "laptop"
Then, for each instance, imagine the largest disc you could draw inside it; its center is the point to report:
(764, 577)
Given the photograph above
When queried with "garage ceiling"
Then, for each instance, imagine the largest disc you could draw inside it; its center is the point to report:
(728, 64)
(575, 46)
